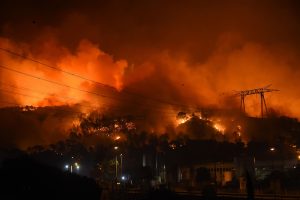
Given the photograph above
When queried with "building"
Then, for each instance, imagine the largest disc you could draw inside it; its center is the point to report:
(220, 172)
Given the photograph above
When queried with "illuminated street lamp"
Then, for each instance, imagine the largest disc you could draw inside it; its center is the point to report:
(116, 167)
(77, 166)
(121, 158)
(116, 162)
(70, 167)
(272, 149)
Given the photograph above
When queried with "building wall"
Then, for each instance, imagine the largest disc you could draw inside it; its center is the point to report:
(220, 172)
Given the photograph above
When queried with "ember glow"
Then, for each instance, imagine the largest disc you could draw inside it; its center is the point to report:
(219, 128)
(183, 119)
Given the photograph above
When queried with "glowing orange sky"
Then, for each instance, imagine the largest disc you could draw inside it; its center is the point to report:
(193, 53)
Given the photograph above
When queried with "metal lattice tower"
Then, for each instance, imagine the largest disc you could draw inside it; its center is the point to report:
(261, 92)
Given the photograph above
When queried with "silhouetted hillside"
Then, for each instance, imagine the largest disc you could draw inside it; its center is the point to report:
(23, 177)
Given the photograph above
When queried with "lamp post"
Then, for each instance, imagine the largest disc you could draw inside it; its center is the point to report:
(272, 149)
(116, 163)
(76, 165)
(121, 159)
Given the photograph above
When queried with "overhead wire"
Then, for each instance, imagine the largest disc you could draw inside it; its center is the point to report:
(74, 88)
(39, 97)
(93, 81)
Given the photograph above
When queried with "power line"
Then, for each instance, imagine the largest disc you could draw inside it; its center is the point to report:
(90, 80)
(65, 85)
(36, 97)
(54, 82)
(44, 93)
(60, 107)
(112, 108)
(54, 68)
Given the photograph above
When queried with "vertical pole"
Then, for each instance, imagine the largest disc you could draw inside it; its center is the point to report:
(241, 104)
(243, 110)
(265, 104)
(156, 165)
(121, 172)
(71, 167)
(116, 167)
(261, 104)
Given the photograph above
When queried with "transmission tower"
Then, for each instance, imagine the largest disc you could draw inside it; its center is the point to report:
(261, 92)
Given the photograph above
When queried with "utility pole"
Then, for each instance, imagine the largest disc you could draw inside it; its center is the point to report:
(261, 92)
(121, 159)
(116, 167)
(243, 103)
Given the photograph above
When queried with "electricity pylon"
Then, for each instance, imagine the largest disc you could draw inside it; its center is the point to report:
(261, 92)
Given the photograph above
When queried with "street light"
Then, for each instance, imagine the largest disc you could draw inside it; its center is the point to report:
(272, 149)
(76, 165)
(121, 158)
(116, 162)
(116, 167)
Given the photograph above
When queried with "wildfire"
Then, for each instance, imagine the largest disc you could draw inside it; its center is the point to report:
(182, 121)
(182, 118)
(130, 126)
(40, 85)
(213, 122)
(239, 130)
(76, 122)
(220, 128)
(28, 108)
(54, 63)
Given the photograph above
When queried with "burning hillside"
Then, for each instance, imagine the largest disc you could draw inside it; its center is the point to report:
(46, 125)
(123, 60)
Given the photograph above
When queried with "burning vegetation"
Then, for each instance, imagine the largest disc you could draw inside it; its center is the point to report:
(159, 88)
(46, 125)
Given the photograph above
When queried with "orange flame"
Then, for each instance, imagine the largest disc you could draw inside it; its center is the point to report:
(88, 61)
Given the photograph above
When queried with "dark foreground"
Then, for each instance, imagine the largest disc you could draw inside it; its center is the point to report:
(24, 178)
(166, 194)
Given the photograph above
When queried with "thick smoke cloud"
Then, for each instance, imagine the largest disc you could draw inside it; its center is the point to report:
(193, 53)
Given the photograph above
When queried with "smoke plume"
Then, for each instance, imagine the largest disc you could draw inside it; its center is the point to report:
(155, 58)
